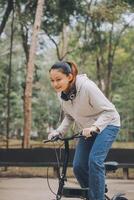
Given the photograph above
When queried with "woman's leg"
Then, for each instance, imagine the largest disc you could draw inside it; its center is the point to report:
(97, 157)
(80, 162)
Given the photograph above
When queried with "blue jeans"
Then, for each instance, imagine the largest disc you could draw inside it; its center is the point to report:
(88, 163)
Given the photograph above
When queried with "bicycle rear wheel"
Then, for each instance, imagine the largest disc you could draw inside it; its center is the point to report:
(121, 198)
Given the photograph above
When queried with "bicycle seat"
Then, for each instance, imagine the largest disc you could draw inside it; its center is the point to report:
(111, 166)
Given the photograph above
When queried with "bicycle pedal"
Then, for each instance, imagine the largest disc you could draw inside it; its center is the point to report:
(75, 192)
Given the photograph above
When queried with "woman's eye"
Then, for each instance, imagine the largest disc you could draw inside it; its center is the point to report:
(58, 79)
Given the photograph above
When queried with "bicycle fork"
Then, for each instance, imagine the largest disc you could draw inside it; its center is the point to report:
(62, 177)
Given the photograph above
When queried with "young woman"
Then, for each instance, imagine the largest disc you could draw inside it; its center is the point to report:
(83, 102)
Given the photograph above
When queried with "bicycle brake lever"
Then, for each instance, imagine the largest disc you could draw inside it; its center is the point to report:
(78, 135)
(93, 133)
(53, 139)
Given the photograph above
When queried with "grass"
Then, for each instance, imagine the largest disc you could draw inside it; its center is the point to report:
(14, 143)
(42, 172)
(125, 145)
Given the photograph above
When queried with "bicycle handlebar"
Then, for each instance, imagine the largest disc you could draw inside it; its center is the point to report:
(59, 137)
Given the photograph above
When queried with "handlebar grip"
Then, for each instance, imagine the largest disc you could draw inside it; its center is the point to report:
(59, 137)
(53, 139)
(93, 133)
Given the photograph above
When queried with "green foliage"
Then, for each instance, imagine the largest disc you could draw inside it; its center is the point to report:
(123, 84)
(90, 27)
(57, 13)
(130, 2)
(46, 109)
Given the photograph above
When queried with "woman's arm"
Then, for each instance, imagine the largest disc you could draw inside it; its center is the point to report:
(101, 105)
(65, 124)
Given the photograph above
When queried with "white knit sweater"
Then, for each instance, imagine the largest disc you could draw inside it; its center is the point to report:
(90, 107)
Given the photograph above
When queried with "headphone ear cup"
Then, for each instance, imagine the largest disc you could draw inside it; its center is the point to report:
(70, 95)
(64, 96)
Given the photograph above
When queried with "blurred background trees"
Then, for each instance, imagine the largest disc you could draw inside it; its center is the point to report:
(97, 35)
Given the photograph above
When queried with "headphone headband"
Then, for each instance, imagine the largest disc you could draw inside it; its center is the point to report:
(64, 66)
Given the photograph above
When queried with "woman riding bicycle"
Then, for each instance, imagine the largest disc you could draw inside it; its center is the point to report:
(83, 102)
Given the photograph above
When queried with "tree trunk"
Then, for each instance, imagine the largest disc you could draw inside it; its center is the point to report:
(6, 15)
(9, 83)
(24, 34)
(98, 72)
(63, 48)
(109, 80)
(29, 76)
(109, 65)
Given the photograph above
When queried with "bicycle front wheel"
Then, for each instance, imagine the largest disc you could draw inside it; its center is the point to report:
(120, 198)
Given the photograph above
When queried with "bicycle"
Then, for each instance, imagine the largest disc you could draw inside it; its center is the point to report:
(81, 193)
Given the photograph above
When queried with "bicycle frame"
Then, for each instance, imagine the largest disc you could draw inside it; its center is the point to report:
(82, 192)
(64, 170)
(77, 192)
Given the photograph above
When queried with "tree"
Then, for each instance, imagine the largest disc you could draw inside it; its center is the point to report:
(81, 31)
(9, 82)
(8, 10)
(123, 84)
(29, 75)
(56, 24)
(100, 27)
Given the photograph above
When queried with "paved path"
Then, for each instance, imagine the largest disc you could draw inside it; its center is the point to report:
(37, 188)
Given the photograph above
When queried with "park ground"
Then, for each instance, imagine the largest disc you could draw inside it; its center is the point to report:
(37, 188)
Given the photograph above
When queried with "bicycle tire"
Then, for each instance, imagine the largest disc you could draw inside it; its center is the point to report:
(121, 198)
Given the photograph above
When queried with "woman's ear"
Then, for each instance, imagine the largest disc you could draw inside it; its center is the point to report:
(70, 77)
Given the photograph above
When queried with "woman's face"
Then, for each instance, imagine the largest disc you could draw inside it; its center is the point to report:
(60, 81)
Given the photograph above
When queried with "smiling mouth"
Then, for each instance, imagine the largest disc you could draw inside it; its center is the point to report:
(58, 88)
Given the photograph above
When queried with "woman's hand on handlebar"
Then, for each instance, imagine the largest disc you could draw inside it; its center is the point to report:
(53, 134)
(89, 132)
